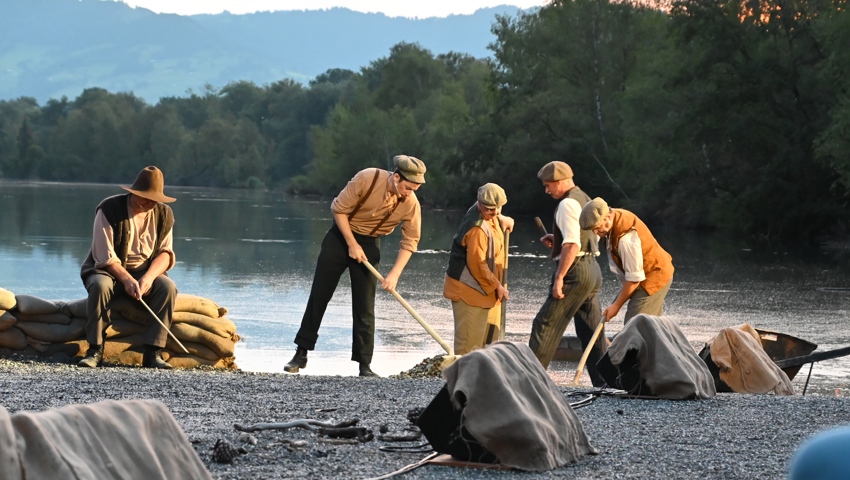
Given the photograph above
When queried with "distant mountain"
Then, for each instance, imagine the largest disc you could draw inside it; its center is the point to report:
(51, 48)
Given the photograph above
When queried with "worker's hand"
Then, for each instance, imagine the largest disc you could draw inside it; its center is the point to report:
(131, 286)
(558, 289)
(548, 240)
(145, 285)
(610, 312)
(356, 252)
(502, 293)
(507, 223)
(390, 281)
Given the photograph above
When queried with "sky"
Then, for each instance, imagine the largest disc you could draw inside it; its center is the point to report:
(391, 8)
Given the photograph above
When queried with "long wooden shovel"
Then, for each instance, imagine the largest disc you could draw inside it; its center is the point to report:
(410, 309)
(488, 339)
(163, 326)
(587, 350)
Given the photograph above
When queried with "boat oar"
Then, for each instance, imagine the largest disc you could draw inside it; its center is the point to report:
(410, 309)
(163, 326)
(587, 350)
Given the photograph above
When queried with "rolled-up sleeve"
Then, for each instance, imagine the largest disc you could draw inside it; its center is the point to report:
(411, 230)
(631, 254)
(102, 249)
(168, 248)
(566, 217)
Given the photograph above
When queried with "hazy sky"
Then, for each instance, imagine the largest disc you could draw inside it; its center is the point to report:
(396, 8)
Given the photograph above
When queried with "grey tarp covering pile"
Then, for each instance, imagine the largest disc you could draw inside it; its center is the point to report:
(744, 365)
(667, 361)
(104, 440)
(514, 409)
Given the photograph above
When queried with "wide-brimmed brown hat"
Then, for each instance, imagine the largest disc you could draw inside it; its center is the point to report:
(149, 184)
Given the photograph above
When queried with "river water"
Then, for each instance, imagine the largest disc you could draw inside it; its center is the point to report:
(254, 253)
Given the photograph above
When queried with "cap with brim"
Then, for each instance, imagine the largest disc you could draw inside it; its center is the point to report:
(555, 171)
(491, 195)
(149, 184)
(592, 213)
(411, 168)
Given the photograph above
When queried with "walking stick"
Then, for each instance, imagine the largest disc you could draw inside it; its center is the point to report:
(410, 309)
(163, 326)
(587, 350)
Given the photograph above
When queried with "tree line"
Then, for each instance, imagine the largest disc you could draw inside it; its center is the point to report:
(696, 114)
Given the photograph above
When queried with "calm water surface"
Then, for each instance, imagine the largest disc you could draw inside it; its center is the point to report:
(254, 253)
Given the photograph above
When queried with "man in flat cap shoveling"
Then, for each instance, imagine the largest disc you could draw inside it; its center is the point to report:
(476, 262)
(574, 288)
(373, 203)
(645, 270)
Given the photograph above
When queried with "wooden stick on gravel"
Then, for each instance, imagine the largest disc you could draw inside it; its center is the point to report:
(306, 424)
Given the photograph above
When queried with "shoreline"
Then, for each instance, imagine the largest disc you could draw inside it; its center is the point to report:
(728, 436)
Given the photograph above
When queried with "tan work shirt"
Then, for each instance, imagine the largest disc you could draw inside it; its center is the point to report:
(142, 241)
(476, 243)
(382, 200)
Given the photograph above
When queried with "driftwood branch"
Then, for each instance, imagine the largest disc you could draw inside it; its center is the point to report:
(306, 424)
(362, 434)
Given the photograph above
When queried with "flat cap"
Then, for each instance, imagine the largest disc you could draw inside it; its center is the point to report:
(555, 171)
(592, 213)
(491, 195)
(411, 168)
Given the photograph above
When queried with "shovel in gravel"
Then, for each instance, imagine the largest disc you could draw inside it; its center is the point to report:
(447, 359)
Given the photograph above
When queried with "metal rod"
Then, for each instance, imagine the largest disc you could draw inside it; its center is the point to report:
(587, 350)
(163, 326)
(410, 309)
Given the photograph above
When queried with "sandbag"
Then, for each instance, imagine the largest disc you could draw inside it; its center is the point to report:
(13, 338)
(7, 320)
(39, 346)
(121, 327)
(196, 349)
(58, 318)
(74, 308)
(200, 305)
(32, 305)
(130, 309)
(221, 346)
(7, 300)
(221, 326)
(191, 361)
(74, 348)
(54, 333)
(113, 348)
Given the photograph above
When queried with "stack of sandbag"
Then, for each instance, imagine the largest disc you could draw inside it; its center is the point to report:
(55, 329)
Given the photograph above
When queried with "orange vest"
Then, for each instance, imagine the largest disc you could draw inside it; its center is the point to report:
(657, 263)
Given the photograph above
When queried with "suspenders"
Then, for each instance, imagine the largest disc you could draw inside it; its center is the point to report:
(366, 197)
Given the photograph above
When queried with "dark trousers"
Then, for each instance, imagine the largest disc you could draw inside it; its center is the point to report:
(102, 288)
(333, 261)
(581, 300)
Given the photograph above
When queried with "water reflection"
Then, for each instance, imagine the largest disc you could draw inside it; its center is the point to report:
(254, 253)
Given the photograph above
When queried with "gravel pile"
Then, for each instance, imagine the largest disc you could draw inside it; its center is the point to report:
(729, 436)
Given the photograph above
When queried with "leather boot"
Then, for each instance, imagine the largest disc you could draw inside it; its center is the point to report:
(93, 357)
(299, 361)
(365, 371)
(152, 359)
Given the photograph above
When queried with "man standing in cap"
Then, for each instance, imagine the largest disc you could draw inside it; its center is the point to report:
(574, 289)
(132, 248)
(373, 203)
(645, 270)
(476, 262)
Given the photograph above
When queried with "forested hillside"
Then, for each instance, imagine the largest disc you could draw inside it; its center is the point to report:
(713, 114)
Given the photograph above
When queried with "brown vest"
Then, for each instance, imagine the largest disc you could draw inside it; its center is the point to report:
(657, 263)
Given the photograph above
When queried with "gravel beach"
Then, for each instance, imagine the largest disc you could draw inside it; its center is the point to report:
(729, 436)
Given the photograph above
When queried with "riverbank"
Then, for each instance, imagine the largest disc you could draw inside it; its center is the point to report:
(729, 436)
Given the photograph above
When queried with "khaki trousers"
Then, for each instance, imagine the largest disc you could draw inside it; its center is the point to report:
(471, 325)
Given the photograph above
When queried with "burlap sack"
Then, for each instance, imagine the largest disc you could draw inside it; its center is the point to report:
(74, 348)
(200, 305)
(7, 300)
(221, 326)
(13, 338)
(121, 327)
(54, 333)
(74, 308)
(58, 318)
(191, 361)
(39, 346)
(31, 305)
(221, 346)
(133, 356)
(7, 320)
(130, 309)
(196, 349)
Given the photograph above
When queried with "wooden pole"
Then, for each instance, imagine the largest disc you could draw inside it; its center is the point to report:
(504, 284)
(587, 350)
(163, 326)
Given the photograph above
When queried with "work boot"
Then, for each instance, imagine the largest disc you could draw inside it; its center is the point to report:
(93, 357)
(365, 371)
(299, 361)
(152, 359)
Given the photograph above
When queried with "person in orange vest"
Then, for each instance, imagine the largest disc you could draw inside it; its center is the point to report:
(645, 270)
